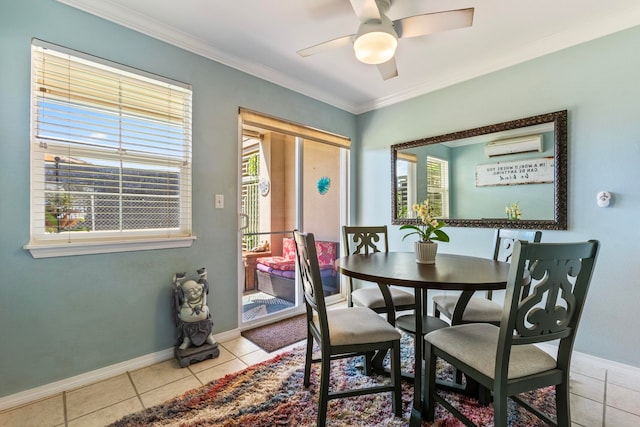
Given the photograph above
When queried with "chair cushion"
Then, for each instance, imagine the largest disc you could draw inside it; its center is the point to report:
(357, 325)
(278, 263)
(288, 248)
(288, 274)
(476, 345)
(477, 310)
(371, 297)
(327, 252)
(283, 264)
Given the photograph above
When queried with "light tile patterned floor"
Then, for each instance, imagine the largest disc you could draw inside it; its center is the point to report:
(107, 401)
(601, 396)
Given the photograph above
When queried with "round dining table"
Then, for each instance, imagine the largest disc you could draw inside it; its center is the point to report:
(449, 273)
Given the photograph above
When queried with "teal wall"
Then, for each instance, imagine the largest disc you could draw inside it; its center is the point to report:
(597, 82)
(60, 317)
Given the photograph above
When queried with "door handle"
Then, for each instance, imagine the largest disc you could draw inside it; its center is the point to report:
(244, 221)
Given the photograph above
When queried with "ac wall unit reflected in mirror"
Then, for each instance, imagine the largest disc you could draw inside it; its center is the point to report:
(471, 176)
(523, 144)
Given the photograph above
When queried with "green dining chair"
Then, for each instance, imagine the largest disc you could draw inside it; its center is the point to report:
(342, 332)
(479, 309)
(505, 359)
(366, 240)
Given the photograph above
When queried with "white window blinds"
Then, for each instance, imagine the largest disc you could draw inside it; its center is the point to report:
(110, 150)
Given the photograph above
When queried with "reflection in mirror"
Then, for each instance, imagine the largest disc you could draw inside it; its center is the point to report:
(471, 177)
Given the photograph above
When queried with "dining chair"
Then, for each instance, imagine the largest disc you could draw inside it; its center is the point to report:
(365, 240)
(478, 309)
(505, 359)
(341, 333)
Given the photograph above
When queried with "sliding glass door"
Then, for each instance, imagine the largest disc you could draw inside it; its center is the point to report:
(288, 182)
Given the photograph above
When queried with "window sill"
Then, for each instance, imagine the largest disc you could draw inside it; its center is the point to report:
(50, 250)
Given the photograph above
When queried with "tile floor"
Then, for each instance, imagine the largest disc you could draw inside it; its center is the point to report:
(604, 394)
(104, 402)
(601, 395)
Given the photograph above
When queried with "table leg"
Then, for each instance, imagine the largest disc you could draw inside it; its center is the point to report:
(416, 410)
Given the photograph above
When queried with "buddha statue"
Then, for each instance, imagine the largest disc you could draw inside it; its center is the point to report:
(191, 313)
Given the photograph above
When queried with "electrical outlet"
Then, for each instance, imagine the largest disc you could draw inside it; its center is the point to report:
(219, 201)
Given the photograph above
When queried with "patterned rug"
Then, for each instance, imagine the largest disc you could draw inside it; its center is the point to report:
(271, 394)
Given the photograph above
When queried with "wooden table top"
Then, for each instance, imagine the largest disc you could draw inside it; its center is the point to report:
(450, 272)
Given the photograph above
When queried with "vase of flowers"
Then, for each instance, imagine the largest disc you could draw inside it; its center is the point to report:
(513, 211)
(429, 231)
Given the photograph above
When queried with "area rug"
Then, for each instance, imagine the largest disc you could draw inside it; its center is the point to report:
(279, 334)
(272, 394)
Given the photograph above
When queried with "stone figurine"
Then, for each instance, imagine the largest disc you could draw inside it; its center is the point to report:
(191, 313)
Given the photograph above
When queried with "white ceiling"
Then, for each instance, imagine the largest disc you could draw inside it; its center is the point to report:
(261, 37)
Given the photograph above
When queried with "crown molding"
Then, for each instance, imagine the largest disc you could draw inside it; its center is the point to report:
(143, 24)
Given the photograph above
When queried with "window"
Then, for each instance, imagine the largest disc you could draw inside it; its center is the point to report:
(110, 156)
(406, 184)
(438, 186)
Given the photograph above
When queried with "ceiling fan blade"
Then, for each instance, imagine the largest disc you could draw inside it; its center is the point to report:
(430, 23)
(329, 45)
(365, 9)
(389, 69)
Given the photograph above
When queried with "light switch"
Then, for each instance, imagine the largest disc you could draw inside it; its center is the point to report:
(219, 201)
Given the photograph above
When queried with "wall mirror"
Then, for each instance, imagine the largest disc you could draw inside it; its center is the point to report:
(471, 176)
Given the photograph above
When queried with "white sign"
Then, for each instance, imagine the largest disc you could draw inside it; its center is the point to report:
(530, 171)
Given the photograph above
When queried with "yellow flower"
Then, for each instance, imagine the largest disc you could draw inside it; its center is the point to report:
(513, 211)
(430, 228)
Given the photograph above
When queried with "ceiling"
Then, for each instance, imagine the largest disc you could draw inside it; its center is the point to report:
(262, 37)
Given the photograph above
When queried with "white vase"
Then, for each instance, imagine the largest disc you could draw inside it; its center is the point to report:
(426, 252)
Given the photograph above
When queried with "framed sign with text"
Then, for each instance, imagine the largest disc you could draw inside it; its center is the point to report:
(516, 172)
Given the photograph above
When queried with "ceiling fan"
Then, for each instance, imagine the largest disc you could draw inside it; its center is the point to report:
(377, 37)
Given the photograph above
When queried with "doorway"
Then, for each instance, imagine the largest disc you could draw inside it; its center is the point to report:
(288, 182)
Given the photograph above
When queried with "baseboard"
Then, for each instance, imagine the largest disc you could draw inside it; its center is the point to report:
(594, 360)
(51, 389)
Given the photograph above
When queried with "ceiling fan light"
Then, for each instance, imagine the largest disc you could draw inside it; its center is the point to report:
(375, 47)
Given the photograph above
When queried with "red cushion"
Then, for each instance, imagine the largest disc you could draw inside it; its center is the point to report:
(326, 253)
(278, 263)
(288, 248)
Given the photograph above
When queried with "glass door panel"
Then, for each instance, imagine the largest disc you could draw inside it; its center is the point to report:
(268, 183)
(323, 201)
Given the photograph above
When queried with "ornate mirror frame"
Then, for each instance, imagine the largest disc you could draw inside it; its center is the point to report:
(559, 221)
